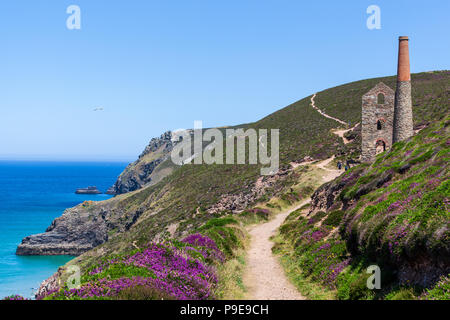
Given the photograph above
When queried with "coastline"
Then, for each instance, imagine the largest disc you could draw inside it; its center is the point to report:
(32, 195)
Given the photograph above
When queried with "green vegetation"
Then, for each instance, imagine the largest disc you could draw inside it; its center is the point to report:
(231, 284)
(441, 291)
(308, 287)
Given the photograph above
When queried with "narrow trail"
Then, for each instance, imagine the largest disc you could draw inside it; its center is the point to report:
(331, 174)
(313, 104)
(341, 133)
(338, 132)
(264, 277)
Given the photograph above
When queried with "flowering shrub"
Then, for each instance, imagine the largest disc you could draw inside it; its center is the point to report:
(324, 261)
(169, 271)
(105, 288)
(208, 249)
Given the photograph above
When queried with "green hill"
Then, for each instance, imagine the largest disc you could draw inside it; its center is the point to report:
(303, 132)
(181, 202)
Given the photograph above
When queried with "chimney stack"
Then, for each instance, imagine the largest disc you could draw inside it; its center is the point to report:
(403, 73)
(403, 119)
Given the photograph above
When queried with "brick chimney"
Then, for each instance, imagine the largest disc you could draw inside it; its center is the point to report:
(403, 118)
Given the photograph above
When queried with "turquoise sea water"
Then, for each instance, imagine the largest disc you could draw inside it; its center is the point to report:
(32, 194)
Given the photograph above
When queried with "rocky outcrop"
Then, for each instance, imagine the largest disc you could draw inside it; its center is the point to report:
(80, 229)
(240, 201)
(49, 285)
(142, 171)
(76, 231)
(323, 199)
(111, 191)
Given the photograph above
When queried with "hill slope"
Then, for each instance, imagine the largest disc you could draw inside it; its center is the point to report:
(189, 196)
(393, 213)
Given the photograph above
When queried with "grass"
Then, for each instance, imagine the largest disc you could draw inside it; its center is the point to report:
(231, 285)
(289, 261)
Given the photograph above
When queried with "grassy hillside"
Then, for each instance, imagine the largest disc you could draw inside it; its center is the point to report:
(430, 96)
(393, 213)
(177, 205)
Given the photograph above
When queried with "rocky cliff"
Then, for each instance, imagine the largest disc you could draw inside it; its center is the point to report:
(145, 169)
(78, 230)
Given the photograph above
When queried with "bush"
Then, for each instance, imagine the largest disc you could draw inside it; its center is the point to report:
(219, 222)
(401, 294)
(254, 215)
(317, 217)
(358, 289)
(334, 218)
(142, 293)
(225, 238)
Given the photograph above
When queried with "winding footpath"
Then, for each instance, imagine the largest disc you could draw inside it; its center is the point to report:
(313, 104)
(264, 277)
(338, 132)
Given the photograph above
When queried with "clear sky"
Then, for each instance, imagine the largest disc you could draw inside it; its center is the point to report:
(159, 65)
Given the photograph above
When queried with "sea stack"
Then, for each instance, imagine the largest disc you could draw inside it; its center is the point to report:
(403, 118)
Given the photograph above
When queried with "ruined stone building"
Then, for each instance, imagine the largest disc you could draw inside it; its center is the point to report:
(377, 121)
(387, 116)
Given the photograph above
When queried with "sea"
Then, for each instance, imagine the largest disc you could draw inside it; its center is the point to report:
(32, 194)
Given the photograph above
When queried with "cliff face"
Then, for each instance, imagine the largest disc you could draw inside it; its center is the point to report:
(145, 169)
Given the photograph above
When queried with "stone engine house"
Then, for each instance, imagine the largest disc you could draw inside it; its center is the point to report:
(387, 116)
(377, 121)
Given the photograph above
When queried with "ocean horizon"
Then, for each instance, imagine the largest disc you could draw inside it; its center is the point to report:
(32, 195)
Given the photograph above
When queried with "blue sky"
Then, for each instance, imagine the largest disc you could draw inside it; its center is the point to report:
(159, 65)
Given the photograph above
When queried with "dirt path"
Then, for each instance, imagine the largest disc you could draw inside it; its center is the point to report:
(342, 132)
(264, 277)
(330, 173)
(313, 104)
(338, 132)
